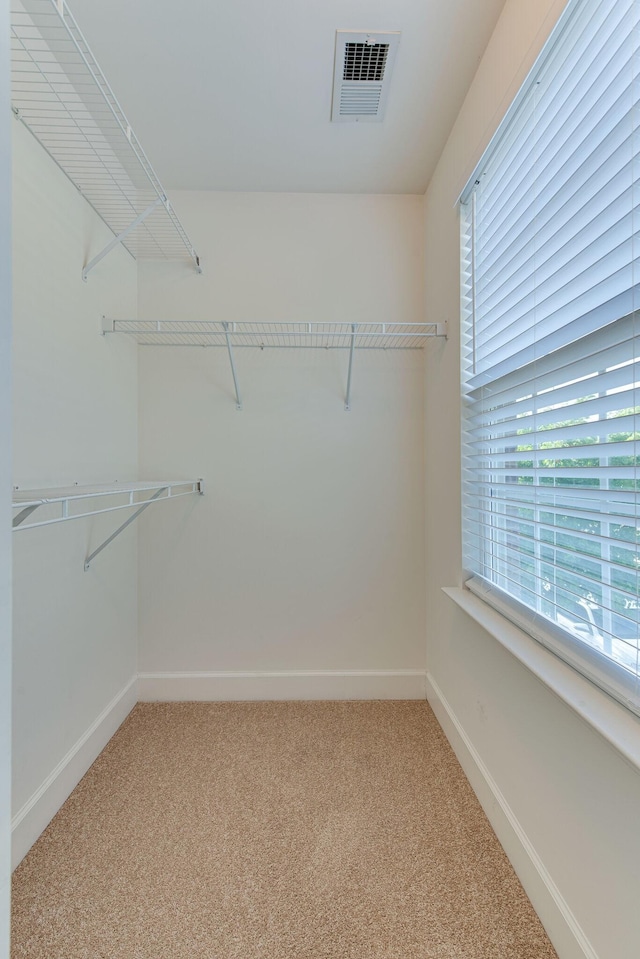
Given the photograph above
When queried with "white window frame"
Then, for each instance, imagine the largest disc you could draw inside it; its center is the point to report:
(557, 639)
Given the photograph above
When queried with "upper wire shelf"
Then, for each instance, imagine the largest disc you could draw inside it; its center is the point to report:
(62, 96)
(348, 336)
(383, 336)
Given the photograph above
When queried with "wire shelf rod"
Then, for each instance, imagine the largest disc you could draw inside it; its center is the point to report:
(288, 335)
(26, 501)
(272, 334)
(137, 496)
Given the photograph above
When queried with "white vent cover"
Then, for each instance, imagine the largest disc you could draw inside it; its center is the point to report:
(362, 73)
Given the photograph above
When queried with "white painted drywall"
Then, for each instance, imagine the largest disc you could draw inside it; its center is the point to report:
(75, 400)
(572, 797)
(5, 484)
(306, 552)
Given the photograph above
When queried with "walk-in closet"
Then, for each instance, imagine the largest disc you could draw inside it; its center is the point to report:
(248, 709)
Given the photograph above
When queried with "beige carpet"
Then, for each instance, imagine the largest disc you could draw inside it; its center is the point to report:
(269, 831)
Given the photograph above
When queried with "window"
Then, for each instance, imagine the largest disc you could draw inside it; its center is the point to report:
(551, 351)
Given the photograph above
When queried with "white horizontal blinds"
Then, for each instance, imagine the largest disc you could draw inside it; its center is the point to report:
(554, 239)
(553, 472)
(551, 349)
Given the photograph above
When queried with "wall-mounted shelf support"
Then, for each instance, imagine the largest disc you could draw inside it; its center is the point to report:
(347, 402)
(23, 515)
(233, 366)
(77, 502)
(127, 522)
(117, 240)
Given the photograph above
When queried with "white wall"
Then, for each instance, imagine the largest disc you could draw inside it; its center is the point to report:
(5, 484)
(75, 401)
(306, 554)
(563, 801)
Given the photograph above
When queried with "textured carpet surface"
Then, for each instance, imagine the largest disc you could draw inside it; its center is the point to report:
(268, 831)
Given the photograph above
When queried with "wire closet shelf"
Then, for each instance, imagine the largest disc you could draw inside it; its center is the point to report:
(62, 503)
(382, 336)
(347, 336)
(76, 502)
(62, 96)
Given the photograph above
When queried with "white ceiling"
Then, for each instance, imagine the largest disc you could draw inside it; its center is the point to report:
(236, 94)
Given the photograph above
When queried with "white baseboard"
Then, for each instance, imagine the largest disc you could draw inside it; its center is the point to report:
(289, 685)
(36, 814)
(564, 930)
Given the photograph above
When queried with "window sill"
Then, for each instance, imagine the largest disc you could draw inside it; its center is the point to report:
(612, 721)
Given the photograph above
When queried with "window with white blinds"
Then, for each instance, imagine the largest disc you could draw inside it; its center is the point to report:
(551, 351)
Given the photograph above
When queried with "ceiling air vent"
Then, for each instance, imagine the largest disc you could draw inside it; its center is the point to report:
(364, 62)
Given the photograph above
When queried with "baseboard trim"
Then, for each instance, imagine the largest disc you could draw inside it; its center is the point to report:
(561, 925)
(286, 685)
(36, 814)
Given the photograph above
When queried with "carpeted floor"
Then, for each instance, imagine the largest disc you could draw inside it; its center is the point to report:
(269, 831)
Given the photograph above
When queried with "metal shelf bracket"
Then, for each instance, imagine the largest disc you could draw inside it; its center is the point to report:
(347, 402)
(117, 240)
(23, 515)
(127, 522)
(225, 326)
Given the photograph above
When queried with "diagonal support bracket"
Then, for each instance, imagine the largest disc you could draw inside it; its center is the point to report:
(24, 514)
(233, 366)
(127, 522)
(347, 402)
(117, 240)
